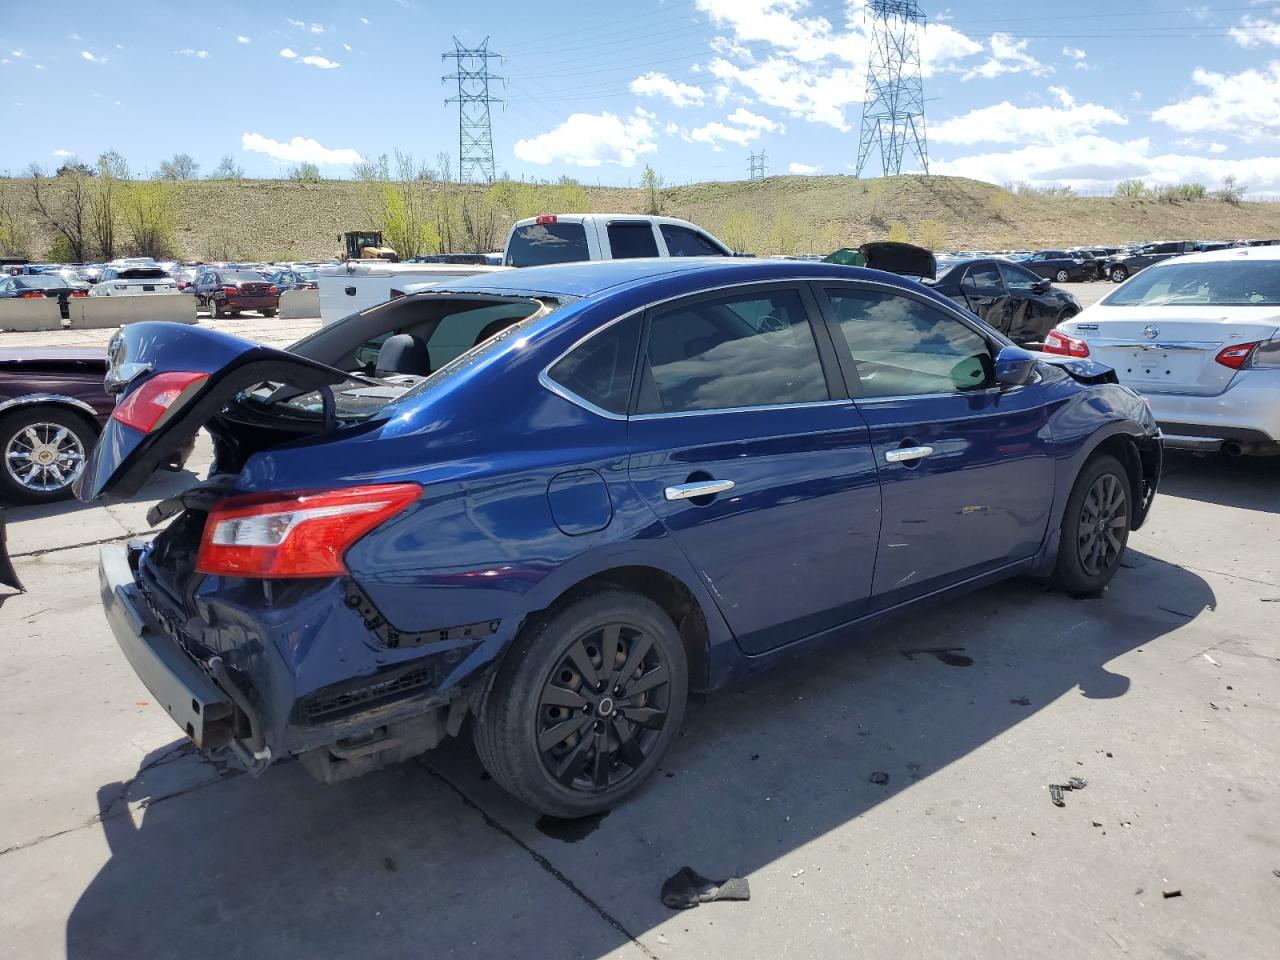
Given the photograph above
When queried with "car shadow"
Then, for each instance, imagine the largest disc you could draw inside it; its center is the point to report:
(1249, 483)
(431, 858)
(163, 483)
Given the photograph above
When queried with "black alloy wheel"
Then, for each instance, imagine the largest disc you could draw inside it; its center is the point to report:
(1095, 527)
(603, 708)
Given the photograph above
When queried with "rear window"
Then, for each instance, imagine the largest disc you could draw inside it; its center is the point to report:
(683, 242)
(141, 273)
(41, 281)
(536, 244)
(244, 276)
(1229, 283)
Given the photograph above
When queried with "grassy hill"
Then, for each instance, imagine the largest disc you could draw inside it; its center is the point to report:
(276, 219)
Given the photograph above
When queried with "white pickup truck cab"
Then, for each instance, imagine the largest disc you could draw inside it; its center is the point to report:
(568, 237)
(357, 284)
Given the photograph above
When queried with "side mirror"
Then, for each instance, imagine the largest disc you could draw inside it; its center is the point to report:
(1041, 286)
(1014, 366)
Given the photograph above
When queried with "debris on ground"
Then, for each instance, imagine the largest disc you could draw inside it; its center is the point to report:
(1057, 791)
(688, 888)
(1210, 659)
(1170, 894)
(880, 777)
(1021, 701)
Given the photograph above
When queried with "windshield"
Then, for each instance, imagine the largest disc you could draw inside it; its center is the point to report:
(1229, 283)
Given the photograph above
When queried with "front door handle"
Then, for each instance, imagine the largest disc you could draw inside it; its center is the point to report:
(906, 454)
(698, 488)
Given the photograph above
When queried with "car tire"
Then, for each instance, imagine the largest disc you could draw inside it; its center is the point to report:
(215, 309)
(1062, 276)
(1095, 527)
(1119, 274)
(268, 313)
(551, 711)
(44, 423)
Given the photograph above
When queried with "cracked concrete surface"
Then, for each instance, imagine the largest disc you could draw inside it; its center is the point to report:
(118, 840)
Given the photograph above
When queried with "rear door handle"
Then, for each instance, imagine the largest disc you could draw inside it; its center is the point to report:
(698, 488)
(905, 454)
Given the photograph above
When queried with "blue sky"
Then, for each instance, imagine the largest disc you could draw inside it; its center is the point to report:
(1084, 93)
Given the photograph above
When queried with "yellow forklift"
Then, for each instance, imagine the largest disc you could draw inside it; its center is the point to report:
(365, 245)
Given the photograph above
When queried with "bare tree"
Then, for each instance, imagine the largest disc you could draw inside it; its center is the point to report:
(306, 172)
(64, 208)
(15, 232)
(227, 169)
(182, 167)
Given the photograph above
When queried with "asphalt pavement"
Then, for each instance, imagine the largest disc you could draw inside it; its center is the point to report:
(118, 840)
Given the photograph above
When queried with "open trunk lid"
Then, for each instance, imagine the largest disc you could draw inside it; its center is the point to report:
(1170, 349)
(170, 379)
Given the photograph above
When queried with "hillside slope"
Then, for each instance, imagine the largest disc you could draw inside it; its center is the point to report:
(278, 219)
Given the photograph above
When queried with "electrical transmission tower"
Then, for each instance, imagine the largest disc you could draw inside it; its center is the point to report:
(893, 107)
(759, 166)
(475, 135)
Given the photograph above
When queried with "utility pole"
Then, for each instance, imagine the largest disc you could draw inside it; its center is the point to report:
(475, 134)
(893, 106)
(759, 166)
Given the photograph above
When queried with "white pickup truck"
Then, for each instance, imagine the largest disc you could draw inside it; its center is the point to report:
(567, 237)
(535, 241)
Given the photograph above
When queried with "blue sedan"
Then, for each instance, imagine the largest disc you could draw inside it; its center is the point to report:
(557, 500)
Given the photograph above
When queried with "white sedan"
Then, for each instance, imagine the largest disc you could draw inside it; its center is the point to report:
(130, 281)
(1199, 337)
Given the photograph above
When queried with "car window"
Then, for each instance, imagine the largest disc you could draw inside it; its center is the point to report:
(629, 240)
(983, 280)
(1227, 283)
(1018, 279)
(903, 347)
(683, 242)
(455, 334)
(535, 244)
(747, 350)
(600, 370)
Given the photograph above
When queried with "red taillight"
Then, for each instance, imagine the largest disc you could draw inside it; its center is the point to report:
(295, 535)
(149, 405)
(32, 296)
(1236, 356)
(273, 291)
(233, 291)
(1056, 341)
(546, 218)
(79, 293)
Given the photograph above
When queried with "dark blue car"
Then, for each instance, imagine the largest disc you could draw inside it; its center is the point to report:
(556, 501)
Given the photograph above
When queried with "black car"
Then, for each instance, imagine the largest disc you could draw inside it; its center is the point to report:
(1120, 268)
(34, 286)
(1062, 266)
(1011, 298)
(295, 280)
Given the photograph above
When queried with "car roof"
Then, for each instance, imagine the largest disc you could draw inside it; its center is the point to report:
(1230, 253)
(584, 278)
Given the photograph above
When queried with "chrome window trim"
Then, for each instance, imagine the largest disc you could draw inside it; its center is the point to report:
(1150, 345)
(37, 398)
(759, 408)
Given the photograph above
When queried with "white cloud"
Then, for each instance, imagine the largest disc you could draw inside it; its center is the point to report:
(745, 118)
(591, 140)
(819, 96)
(1255, 31)
(802, 169)
(18, 54)
(288, 53)
(86, 55)
(322, 62)
(346, 47)
(74, 36)
(64, 153)
(1007, 56)
(189, 52)
(1245, 105)
(1098, 163)
(310, 27)
(300, 150)
(364, 21)
(747, 128)
(1080, 57)
(1005, 123)
(654, 84)
(241, 38)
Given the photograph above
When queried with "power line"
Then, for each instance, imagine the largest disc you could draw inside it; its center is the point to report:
(759, 166)
(475, 132)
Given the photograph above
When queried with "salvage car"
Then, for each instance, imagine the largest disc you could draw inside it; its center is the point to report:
(1061, 266)
(1122, 266)
(133, 281)
(1199, 337)
(228, 292)
(636, 480)
(51, 286)
(1021, 305)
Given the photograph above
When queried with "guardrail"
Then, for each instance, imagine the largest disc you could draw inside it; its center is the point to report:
(299, 304)
(29, 315)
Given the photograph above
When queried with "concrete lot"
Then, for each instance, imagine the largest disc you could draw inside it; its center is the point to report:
(116, 840)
